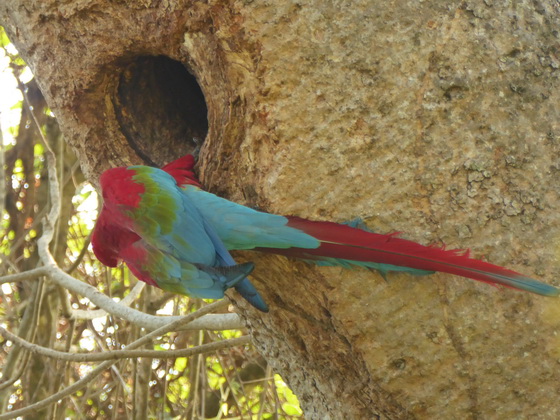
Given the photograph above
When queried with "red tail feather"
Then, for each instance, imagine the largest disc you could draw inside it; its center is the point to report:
(350, 244)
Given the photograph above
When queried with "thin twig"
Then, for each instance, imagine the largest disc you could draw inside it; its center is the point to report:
(81, 255)
(26, 275)
(172, 326)
(28, 326)
(16, 376)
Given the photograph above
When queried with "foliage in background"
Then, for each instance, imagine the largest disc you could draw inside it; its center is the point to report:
(230, 383)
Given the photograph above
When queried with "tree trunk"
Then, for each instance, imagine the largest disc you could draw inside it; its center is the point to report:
(438, 119)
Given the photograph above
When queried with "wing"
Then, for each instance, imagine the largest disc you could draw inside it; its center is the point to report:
(166, 220)
(179, 276)
(241, 227)
(173, 248)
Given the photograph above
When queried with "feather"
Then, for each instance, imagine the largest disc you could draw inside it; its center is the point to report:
(182, 171)
(342, 244)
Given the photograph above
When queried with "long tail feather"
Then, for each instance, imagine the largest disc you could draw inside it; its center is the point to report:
(343, 244)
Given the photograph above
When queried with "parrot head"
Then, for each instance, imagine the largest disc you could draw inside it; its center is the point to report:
(111, 234)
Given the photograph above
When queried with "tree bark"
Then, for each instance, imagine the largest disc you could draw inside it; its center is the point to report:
(438, 119)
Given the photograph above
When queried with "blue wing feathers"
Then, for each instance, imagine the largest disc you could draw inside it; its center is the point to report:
(183, 246)
(241, 227)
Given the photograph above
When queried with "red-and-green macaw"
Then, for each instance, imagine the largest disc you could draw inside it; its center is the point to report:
(176, 236)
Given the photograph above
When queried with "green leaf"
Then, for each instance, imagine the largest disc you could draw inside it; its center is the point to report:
(17, 105)
(4, 40)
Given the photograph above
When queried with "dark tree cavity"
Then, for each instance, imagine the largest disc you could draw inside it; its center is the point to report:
(158, 99)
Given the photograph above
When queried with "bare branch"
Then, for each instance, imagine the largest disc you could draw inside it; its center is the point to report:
(142, 319)
(17, 375)
(26, 275)
(100, 313)
(172, 326)
(214, 322)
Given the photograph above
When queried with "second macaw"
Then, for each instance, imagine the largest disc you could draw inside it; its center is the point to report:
(176, 236)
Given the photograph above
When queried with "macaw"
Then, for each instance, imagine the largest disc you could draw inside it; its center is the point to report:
(176, 236)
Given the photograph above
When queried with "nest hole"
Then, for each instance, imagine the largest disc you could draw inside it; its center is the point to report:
(161, 109)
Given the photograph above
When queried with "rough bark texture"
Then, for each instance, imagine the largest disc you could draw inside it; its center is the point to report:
(438, 119)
